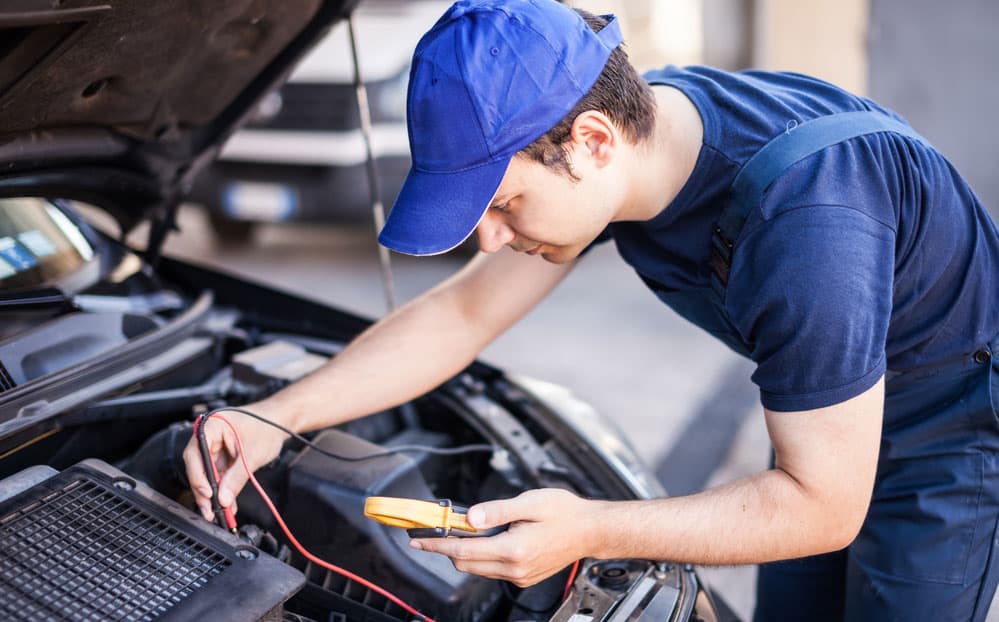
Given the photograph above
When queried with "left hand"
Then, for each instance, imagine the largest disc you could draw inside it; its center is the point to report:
(550, 529)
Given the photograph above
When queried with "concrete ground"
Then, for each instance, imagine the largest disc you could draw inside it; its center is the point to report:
(601, 334)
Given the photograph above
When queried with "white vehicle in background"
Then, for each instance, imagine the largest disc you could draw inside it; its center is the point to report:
(301, 158)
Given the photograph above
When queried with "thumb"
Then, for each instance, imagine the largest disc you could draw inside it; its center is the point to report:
(233, 480)
(524, 507)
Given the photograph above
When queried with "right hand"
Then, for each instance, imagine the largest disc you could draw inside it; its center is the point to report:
(261, 442)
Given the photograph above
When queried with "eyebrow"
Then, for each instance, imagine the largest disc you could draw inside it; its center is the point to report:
(499, 200)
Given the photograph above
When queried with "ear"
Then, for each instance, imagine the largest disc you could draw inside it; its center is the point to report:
(594, 135)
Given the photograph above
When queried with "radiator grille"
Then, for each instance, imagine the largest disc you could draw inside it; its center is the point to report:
(85, 553)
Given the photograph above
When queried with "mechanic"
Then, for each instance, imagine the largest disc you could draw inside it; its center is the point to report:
(849, 260)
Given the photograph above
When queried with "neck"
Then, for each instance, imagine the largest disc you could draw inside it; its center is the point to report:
(661, 165)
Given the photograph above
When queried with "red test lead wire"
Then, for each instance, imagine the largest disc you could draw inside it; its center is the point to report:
(572, 578)
(287, 532)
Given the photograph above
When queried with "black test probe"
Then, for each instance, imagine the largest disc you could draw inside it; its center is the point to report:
(223, 516)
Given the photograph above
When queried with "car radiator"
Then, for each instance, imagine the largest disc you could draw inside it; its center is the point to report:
(91, 543)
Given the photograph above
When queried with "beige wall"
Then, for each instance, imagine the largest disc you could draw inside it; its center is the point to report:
(656, 32)
(824, 38)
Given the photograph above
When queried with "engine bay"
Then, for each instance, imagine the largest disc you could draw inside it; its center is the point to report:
(481, 436)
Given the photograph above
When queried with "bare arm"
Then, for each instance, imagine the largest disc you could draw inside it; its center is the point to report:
(402, 356)
(422, 343)
(813, 501)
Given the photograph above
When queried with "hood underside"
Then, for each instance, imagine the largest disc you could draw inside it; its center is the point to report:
(147, 88)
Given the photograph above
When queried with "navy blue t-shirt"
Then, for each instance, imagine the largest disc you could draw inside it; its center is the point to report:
(871, 255)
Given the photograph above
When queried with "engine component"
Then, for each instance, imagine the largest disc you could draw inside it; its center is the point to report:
(336, 490)
(93, 543)
(618, 590)
(274, 365)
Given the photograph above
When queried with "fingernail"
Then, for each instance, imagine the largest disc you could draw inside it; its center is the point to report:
(206, 514)
(476, 517)
(416, 544)
(225, 497)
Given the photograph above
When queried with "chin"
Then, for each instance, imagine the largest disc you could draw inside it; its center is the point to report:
(561, 255)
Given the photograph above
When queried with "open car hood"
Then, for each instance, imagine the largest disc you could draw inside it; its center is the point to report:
(120, 102)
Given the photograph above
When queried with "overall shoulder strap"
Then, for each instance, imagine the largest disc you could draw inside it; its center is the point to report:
(794, 144)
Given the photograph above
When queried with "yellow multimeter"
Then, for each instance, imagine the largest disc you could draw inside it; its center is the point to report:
(425, 519)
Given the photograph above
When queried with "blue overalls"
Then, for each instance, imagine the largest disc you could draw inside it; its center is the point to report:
(927, 550)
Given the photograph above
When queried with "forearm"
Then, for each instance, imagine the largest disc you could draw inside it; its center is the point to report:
(419, 345)
(814, 501)
(404, 355)
(764, 517)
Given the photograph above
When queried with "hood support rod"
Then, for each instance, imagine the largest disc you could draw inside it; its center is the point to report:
(377, 208)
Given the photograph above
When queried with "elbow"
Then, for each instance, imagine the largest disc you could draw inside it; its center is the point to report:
(843, 524)
(845, 535)
(831, 537)
(833, 516)
(833, 511)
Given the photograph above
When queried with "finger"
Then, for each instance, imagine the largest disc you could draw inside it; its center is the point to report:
(528, 506)
(464, 549)
(489, 569)
(216, 433)
(468, 555)
(233, 480)
(228, 438)
(224, 451)
(195, 469)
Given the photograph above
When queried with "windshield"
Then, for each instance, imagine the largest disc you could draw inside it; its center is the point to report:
(39, 245)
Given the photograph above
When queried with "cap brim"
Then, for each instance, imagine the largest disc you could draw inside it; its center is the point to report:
(435, 212)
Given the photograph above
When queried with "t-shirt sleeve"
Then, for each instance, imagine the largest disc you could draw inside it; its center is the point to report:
(811, 291)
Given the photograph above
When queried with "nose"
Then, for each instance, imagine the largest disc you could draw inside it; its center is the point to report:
(492, 233)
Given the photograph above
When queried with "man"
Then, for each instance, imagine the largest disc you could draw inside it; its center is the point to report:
(847, 259)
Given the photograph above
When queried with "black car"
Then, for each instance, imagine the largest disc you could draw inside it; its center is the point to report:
(108, 354)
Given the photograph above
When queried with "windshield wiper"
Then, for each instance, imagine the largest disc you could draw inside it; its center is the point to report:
(50, 298)
(45, 298)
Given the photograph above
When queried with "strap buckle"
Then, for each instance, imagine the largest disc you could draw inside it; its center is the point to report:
(721, 255)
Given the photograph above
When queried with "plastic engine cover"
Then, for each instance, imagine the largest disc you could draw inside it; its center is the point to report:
(325, 506)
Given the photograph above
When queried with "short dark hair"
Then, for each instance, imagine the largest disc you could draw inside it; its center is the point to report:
(619, 92)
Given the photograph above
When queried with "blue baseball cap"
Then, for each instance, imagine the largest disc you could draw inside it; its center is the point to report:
(487, 80)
